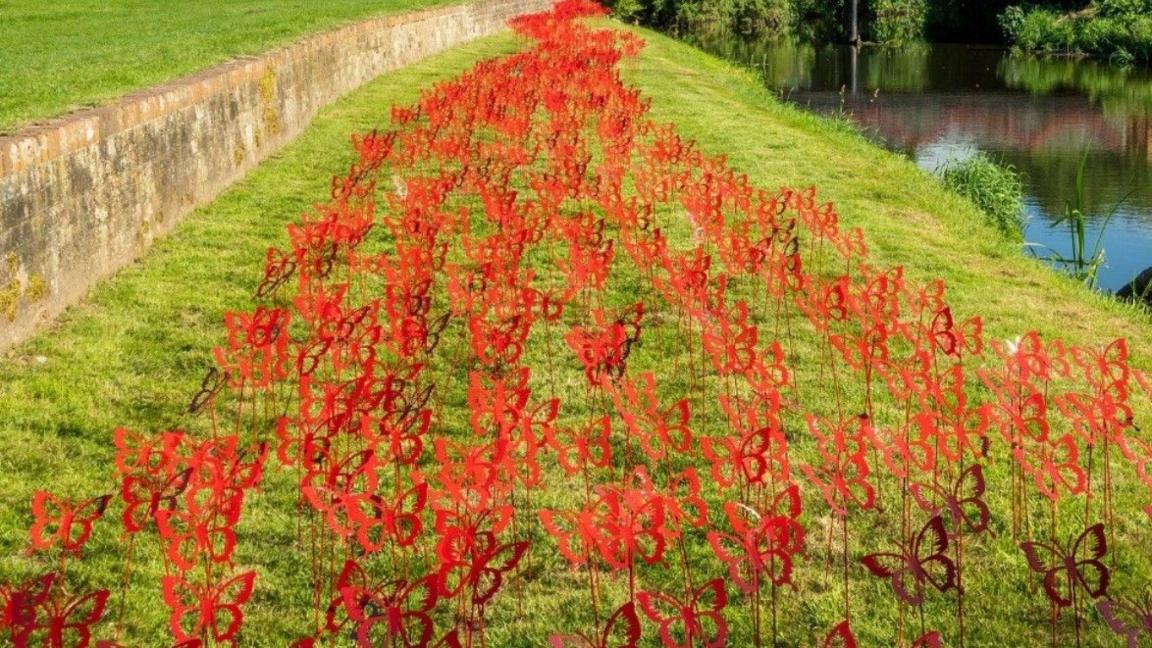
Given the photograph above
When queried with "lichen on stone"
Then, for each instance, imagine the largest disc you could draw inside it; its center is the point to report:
(10, 299)
(36, 289)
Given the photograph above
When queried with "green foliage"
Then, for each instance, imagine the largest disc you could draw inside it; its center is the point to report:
(1124, 8)
(898, 21)
(882, 21)
(994, 188)
(1119, 30)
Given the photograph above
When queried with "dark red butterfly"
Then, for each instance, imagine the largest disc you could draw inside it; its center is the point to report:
(1131, 619)
(922, 560)
(1079, 567)
(963, 501)
(61, 621)
(928, 640)
(212, 384)
(20, 604)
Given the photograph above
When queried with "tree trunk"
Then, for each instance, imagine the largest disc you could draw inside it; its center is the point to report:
(855, 31)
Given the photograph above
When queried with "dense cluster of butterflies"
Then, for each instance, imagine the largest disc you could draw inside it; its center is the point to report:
(517, 191)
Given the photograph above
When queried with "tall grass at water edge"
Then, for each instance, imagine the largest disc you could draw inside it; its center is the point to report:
(996, 189)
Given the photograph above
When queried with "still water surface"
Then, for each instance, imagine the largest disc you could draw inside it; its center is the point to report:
(941, 102)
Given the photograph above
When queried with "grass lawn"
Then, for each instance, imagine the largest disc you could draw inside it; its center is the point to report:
(135, 350)
(59, 56)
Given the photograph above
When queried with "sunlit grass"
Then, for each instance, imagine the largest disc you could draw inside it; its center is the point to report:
(62, 55)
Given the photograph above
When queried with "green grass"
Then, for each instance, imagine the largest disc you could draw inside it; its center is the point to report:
(134, 351)
(62, 55)
(997, 190)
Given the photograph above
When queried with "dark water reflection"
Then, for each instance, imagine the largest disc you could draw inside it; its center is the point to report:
(940, 102)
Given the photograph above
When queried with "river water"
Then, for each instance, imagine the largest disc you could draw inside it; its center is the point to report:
(940, 102)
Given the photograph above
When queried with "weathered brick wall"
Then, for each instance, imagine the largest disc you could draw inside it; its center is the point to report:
(84, 195)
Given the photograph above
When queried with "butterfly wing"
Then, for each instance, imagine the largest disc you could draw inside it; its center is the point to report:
(1126, 620)
(1088, 551)
(930, 551)
(840, 636)
(493, 568)
(897, 569)
(1050, 561)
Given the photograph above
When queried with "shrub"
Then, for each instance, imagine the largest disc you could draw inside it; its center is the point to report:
(1124, 8)
(996, 189)
(898, 21)
(1119, 30)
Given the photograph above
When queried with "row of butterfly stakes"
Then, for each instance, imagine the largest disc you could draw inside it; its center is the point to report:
(524, 230)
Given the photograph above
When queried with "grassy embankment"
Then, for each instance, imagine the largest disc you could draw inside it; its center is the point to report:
(59, 56)
(134, 351)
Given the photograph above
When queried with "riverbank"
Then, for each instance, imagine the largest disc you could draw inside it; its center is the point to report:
(908, 217)
(133, 353)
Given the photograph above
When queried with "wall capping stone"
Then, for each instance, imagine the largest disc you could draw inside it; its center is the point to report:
(85, 194)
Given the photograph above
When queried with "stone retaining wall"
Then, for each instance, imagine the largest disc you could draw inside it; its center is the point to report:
(86, 194)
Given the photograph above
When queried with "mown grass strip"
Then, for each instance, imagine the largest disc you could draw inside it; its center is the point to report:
(59, 56)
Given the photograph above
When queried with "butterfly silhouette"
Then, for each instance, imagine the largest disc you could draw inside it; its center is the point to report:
(379, 520)
(214, 610)
(145, 495)
(699, 619)
(577, 533)
(842, 475)
(1076, 567)
(962, 501)
(929, 639)
(1131, 619)
(337, 490)
(747, 459)
(481, 570)
(393, 613)
(922, 561)
(19, 604)
(198, 531)
(584, 447)
(761, 543)
(212, 384)
(61, 621)
(59, 521)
